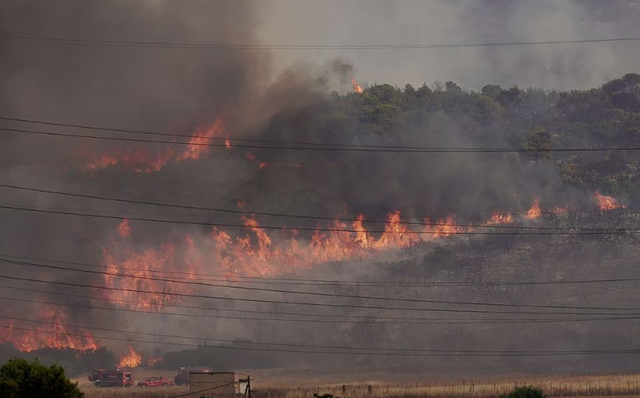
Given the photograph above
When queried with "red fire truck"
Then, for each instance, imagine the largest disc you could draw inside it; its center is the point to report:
(112, 377)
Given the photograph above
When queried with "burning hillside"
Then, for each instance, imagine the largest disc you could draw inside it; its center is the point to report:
(146, 159)
(130, 171)
(48, 330)
(258, 253)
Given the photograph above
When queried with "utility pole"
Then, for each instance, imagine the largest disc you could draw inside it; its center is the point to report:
(247, 391)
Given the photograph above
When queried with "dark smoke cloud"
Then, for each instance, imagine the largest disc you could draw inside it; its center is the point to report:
(140, 88)
(173, 90)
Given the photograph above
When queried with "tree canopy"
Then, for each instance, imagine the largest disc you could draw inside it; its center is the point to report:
(20, 378)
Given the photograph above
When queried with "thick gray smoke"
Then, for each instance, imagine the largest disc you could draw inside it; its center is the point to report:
(259, 94)
(155, 89)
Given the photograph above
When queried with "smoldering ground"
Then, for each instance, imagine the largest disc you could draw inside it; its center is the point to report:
(176, 90)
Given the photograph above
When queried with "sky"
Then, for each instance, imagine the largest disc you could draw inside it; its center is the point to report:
(571, 66)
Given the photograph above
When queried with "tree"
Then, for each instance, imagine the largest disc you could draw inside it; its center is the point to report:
(626, 101)
(20, 378)
(453, 88)
(540, 144)
(492, 91)
(631, 79)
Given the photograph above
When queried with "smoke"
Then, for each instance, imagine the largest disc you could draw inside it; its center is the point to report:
(458, 21)
(267, 95)
(142, 88)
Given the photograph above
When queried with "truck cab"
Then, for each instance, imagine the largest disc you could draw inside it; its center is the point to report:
(112, 378)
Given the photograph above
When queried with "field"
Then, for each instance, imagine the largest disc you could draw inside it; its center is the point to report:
(567, 386)
(137, 392)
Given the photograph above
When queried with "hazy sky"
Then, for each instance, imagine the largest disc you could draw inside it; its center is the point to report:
(461, 21)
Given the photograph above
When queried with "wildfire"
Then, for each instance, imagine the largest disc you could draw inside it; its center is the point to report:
(137, 266)
(133, 158)
(124, 229)
(49, 332)
(130, 359)
(607, 202)
(146, 160)
(197, 147)
(258, 253)
(500, 218)
(356, 87)
(153, 361)
(255, 253)
(534, 212)
(250, 156)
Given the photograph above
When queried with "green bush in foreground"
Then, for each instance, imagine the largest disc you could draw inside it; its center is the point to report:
(525, 392)
(20, 378)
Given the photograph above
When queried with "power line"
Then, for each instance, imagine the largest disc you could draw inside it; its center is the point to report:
(190, 136)
(460, 353)
(333, 319)
(308, 346)
(334, 283)
(329, 305)
(318, 294)
(569, 231)
(256, 46)
(338, 319)
(267, 214)
(462, 229)
(324, 148)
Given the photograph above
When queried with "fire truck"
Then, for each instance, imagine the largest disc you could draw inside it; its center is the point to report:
(112, 377)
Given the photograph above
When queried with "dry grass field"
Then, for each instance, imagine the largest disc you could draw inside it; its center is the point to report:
(130, 392)
(568, 386)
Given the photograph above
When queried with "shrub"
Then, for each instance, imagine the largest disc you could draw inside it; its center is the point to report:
(525, 392)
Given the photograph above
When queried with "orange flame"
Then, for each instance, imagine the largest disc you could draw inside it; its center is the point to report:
(227, 143)
(127, 269)
(250, 156)
(143, 160)
(258, 253)
(362, 237)
(607, 202)
(500, 218)
(356, 87)
(130, 359)
(133, 158)
(442, 228)
(152, 361)
(124, 229)
(534, 212)
(197, 147)
(49, 332)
